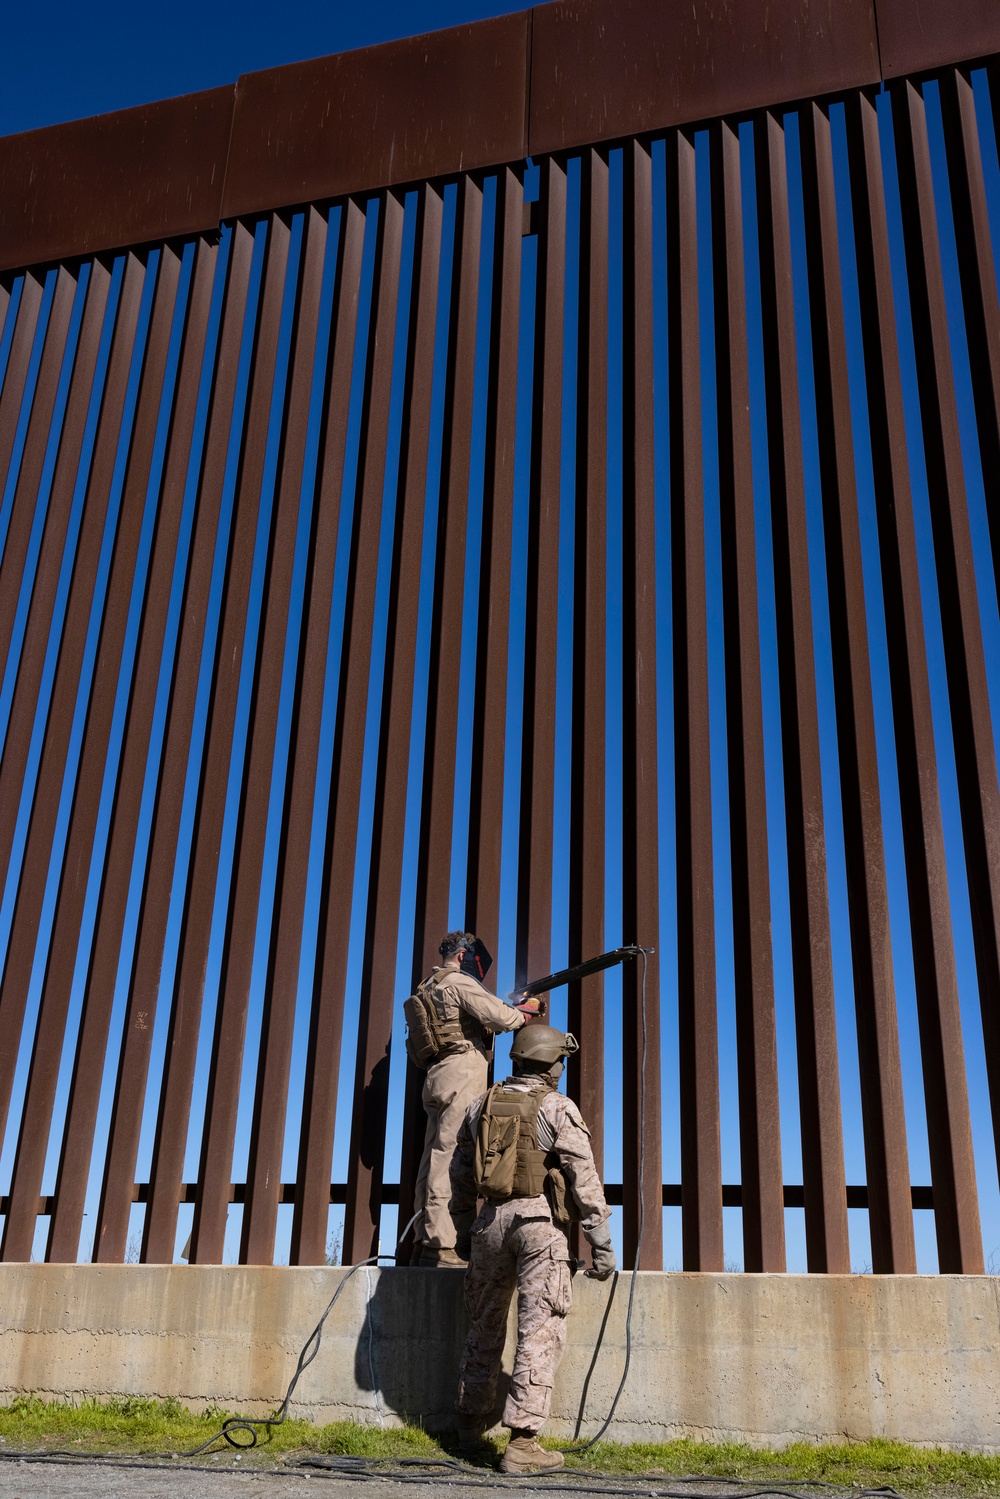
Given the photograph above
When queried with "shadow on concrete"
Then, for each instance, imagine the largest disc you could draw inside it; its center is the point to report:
(416, 1377)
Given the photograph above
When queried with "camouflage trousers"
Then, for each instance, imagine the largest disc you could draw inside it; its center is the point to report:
(451, 1085)
(515, 1244)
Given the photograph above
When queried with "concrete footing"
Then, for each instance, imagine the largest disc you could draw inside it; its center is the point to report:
(766, 1359)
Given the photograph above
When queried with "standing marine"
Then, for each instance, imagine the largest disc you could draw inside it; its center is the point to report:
(524, 1147)
(451, 1022)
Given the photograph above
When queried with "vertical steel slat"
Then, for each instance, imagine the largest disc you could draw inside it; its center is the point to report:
(534, 894)
(218, 1140)
(160, 1225)
(753, 962)
(371, 1087)
(641, 1132)
(587, 770)
(827, 1245)
(50, 559)
(13, 994)
(4, 309)
(890, 1213)
(345, 796)
(956, 1209)
(85, 1089)
(446, 645)
(268, 1129)
(977, 270)
(968, 687)
(29, 478)
(57, 991)
(438, 787)
(482, 901)
(701, 1162)
(16, 375)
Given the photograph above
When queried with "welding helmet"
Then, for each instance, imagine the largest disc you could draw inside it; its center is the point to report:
(542, 1043)
(476, 961)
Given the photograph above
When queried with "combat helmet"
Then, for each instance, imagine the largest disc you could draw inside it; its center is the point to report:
(542, 1043)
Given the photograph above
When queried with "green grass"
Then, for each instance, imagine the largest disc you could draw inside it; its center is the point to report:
(131, 1426)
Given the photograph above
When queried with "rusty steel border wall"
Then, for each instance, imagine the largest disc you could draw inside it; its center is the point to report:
(121, 304)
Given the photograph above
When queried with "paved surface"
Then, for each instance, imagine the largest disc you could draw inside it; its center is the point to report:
(225, 1480)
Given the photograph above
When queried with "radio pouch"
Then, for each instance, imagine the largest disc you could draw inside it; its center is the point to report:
(423, 1041)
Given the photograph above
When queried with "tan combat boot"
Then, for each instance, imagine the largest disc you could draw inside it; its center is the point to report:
(433, 1258)
(524, 1455)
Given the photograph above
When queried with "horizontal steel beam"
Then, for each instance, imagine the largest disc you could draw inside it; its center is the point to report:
(732, 1195)
(553, 78)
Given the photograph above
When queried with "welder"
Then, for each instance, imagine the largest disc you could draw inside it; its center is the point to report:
(451, 1022)
(524, 1147)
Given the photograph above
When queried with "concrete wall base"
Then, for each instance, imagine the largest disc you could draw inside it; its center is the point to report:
(764, 1359)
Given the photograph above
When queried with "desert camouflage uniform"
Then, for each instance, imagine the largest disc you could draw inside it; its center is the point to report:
(450, 1086)
(515, 1243)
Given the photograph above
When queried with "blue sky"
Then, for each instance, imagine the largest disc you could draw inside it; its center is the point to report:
(133, 56)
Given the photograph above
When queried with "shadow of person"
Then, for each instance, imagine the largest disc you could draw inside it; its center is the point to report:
(410, 1345)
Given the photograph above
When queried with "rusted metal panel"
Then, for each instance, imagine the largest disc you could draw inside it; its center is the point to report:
(35, 640)
(17, 368)
(27, 1178)
(85, 1089)
(827, 1243)
(641, 1132)
(222, 1105)
(890, 1212)
(15, 548)
(607, 68)
(378, 979)
(424, 107)
(482, 897)
(13, 995)
(116, 179)
(123, 1145)
(976, 265)
(753, 966)
(318, 1129)
(956, 1209)
(968, 689)
(587, 769)
(915, 37)
(160, 1225)
(534, 896)
(701, 1163)
(268, 1129)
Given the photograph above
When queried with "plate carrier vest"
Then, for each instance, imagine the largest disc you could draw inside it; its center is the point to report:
(508, 1164)
(430, 1037)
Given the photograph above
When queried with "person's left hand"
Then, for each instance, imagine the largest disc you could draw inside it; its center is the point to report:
(531, 1007)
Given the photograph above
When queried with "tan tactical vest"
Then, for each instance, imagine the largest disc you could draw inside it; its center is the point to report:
(509, 1165)
(429, 1035)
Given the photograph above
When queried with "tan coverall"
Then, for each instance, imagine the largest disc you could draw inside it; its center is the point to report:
(515, 1243)
(450, 1086)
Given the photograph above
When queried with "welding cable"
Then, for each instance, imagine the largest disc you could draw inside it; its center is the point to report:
(592, 1442)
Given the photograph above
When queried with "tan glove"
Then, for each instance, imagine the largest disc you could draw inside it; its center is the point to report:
(530, 1008)
(603, 1261)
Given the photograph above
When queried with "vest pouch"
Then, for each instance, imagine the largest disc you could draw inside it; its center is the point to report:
(561, 1200)
(496, 1154)
(422, 1041)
